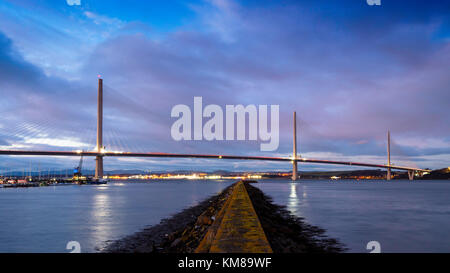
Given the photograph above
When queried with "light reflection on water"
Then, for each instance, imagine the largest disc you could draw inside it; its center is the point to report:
(293, 200)
(403, 216)
(44, 219)
(100, 216)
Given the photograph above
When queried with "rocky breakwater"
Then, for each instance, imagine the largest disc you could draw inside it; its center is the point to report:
(185, 231)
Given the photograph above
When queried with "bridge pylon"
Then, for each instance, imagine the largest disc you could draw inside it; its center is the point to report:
(99, 158)
(294, 152)
(388, 174)
(411, 175)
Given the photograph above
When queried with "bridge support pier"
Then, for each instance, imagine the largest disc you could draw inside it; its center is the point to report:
(294, 170)
(411, 175)
(388, 174)
(294, 152)
(99, 167)
(99, 158)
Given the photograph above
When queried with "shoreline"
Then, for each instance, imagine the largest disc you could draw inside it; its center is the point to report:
(183, 232)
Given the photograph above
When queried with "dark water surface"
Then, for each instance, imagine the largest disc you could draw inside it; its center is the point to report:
(402, 216)
(45, 219)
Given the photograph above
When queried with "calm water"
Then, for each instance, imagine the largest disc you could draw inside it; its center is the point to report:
(403, 216)
(44, 219)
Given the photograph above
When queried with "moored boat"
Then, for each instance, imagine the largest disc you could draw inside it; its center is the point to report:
(99, 181)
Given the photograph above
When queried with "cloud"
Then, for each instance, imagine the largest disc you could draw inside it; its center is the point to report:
(355, 83)
(350, 72)
(101, 19)
(34, 104)
(57, 142)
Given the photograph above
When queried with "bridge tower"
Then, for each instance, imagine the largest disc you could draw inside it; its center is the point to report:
(99, 158)
(294, 152)
(388, 174)
(411, 175)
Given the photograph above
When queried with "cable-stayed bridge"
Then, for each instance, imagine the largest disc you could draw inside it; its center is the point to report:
(99, 153)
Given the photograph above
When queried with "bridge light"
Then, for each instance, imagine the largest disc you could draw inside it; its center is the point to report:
(220, 157)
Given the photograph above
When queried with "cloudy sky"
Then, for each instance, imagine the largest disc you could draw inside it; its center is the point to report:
(350, 70)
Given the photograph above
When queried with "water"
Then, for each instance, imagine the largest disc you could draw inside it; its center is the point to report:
(402, 216)
(45, 219)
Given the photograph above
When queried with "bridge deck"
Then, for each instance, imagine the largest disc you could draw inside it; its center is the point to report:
(238, 227)
(235, 157)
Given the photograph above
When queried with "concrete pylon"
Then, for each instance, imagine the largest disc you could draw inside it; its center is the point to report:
(294, 152)
(99, 158)
(411, 175)
(388, 174)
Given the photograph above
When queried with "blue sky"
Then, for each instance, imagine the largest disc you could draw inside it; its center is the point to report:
(351, 71)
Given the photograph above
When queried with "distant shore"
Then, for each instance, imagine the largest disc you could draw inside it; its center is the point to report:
(367, 174)
(183, 232)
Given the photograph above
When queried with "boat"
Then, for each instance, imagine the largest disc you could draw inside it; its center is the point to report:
(99, 181)
(21, 185)
(90, 181)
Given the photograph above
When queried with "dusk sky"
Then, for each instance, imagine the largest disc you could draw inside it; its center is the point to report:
(351, 71)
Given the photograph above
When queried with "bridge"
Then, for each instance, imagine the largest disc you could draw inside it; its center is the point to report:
(99, 153)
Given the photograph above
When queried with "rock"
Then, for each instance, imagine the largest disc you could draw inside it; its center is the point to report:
(175, 242)
(203, 220)
(181, 233)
